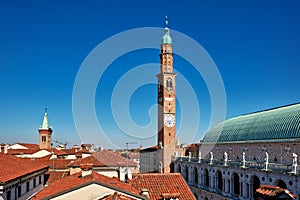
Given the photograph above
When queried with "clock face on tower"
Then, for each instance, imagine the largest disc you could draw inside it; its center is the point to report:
(169, 120)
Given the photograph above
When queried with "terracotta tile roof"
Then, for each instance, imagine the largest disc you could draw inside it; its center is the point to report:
(70, 151)
(87, 160)
(76, 181)
(33, 150)
(150, 149)
(163, 185)
(21, 151)
(47, 157)
(57, 152)
(270, 190)
(112, 159)
(87, 145)
(83, 150)
(12, 167)
(52, 176)
(29, 146)
(76, 151)
(57, 163)
(132, 155)
(116, 196)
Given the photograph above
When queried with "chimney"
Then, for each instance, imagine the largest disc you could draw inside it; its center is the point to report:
(86, 169)
(5, 150)
(144, 192)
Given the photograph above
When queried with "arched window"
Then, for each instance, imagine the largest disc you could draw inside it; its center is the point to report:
(220, 180)
(186, 173)
(196, 175)
(256, 184)
(280, 183)
(169, 84)
(206, 178)
(179, 169)
(236, 184)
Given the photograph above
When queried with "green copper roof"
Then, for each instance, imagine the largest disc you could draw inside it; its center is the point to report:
(274, 124)
(45, 124)
(166, 39)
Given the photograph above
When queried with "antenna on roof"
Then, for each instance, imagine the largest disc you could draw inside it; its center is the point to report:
(129, 175)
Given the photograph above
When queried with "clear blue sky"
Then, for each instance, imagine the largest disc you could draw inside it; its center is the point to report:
(255, 45)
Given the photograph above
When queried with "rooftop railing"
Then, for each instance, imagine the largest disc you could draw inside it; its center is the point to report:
(275, 167)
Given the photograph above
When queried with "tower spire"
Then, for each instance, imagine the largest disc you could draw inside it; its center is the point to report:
(166, 39)
(45, 124)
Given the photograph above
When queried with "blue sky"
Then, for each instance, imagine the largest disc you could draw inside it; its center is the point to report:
(254, 44)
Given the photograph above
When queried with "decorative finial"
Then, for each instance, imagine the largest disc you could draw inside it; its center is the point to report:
(45, 110)
(166, 21)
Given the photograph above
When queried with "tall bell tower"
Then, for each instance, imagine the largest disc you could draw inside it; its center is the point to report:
(166, 104)
(45, 132)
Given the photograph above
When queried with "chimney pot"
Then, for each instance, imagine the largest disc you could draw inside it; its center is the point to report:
(86, 169)
(144, 192)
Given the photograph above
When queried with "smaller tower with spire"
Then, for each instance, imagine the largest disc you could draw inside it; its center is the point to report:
(45, 132)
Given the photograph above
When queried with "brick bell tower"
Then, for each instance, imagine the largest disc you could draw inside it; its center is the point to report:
(45, 132)
(166, 104)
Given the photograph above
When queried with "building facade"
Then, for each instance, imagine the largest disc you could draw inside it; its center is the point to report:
(149, 160)
(239, 154)
(20, 178)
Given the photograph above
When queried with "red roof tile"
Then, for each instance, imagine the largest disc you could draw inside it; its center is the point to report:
(29, 146)
(270, 190)
(57, 163)
(116, 196)
(12, 167)
(83, 150)
(150, 149)
(162, 185)
(57, 152)
(70, 151)
(111, 159)
(75, 181)
(131, 155)
(21, 151)
(76, 151)
(87, 160)
(54, 175)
